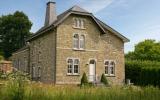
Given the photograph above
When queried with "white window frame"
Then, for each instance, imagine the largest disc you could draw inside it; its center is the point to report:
(75, 40)
(79, 41)
(109, 67)
(79, 23)
(73, 59)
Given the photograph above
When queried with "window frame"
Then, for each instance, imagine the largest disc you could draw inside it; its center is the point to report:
(79, 41)
(83, 41)
(79, 23)
(75, 40)
(109, 68)
(73, 65)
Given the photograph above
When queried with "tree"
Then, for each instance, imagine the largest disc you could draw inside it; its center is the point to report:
(104, 79)
(146, 50)
(14, 29)
(84, 80)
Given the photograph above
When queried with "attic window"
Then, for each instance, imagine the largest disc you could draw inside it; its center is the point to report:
(78, 23)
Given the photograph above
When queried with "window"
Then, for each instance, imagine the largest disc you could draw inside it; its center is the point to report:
(112, 68)
(76, 41)
(82, 42)
(78, 23)
(73, 66)
(109, 68)
(76, 65)
(33, 71)
(79, 41)
(70, 65)
(106, 65)
(82, 23)
(39, 72)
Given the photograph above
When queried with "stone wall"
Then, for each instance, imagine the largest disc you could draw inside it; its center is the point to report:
(97, 46)
(42, 57)
(20, 60)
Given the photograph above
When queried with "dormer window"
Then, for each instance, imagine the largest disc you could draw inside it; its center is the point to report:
(79, 23)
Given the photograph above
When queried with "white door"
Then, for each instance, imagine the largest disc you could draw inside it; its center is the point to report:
(92, 66)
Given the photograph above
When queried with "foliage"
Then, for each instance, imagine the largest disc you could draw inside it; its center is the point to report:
(84, 80)
(14, 29)
(145, 50)
(143, 72)
(16, 86)
(38, 91)
(104, 79)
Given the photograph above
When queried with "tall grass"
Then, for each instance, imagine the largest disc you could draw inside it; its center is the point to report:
(36, 91)
(18, 88)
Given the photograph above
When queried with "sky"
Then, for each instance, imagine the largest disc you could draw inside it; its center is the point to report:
(136, 19)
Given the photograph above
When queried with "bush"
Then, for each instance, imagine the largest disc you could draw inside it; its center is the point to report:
(143, 72)
(84, 80)
(104, 79)
(16, 86)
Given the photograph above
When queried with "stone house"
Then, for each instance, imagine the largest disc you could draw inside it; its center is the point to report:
(70, 44)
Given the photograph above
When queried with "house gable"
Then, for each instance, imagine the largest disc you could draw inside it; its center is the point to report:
(78, 11)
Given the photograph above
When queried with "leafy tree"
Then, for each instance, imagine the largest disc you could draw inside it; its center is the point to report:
(146, 50)
(14, 29)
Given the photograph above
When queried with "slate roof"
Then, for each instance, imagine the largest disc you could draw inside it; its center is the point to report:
(80, 11)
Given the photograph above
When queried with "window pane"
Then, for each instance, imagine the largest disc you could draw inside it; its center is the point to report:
(76, 41)
(76, 61)
(106, 62)
(70, 64)
(69, 68)
(112, 67)
(111, 70)
(82, 41)
(70, 61)
(76, 65)
(82, 23)
(75, 68)
(78, 23)
(106, 69)
(112, 63)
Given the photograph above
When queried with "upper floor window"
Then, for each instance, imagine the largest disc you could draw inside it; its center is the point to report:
(109, 68)
(79, 41)
(76, 41)
(73, 66)
(82, 42)
(79, 23)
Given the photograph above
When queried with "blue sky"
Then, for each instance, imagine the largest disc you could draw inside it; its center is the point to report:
(136, 19)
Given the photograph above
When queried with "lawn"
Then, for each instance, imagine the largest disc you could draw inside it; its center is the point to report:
(39, 91)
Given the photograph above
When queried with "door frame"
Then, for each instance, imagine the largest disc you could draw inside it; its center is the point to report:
(95, 66)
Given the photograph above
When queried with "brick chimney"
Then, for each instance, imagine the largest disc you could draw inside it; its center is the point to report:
(50, 13)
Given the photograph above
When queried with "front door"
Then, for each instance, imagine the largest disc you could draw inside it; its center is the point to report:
(92, 70)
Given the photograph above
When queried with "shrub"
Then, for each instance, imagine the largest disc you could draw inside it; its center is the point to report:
(16, 85)
(84, 80)
(104, 79)
(143, 72)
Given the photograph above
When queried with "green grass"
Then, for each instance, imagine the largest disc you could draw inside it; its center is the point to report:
(38, 91)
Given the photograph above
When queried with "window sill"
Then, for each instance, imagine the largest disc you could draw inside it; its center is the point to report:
(79, 28)
(109, 75)
(78, 49)
(73, 74)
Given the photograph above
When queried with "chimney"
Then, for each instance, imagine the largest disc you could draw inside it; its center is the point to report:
(50, 13)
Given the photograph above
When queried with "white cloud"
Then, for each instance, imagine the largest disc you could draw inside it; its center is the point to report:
(95, 6)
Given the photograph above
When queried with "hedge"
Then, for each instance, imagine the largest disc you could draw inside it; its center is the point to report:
(143, 73)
